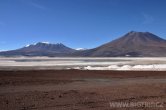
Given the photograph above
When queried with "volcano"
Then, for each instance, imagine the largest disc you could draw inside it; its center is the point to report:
(132, 44)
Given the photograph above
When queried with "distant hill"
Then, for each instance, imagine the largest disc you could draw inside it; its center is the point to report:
(41, 49)
(132, 44)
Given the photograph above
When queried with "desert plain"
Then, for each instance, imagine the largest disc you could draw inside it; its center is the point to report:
(65, 84)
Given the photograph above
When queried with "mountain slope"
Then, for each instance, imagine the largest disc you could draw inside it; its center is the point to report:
(41, 49)
(134, 44)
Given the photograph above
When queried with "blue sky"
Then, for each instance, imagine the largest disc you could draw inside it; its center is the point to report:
(77, 23)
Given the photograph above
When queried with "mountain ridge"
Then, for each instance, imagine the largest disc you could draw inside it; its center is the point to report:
(40, 49)
(132, 44)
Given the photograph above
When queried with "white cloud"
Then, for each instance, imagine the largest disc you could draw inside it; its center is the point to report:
(81, 49)
(45, 42)
(2, 50)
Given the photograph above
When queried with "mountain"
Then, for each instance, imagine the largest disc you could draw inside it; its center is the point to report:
(132, 44)
(41, 49)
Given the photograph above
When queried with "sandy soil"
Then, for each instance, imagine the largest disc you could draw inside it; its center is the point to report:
(80, 89)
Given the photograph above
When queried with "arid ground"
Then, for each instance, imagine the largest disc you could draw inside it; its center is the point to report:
(81, 89)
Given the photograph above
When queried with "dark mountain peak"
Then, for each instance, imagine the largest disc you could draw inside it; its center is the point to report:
(138, 34)
(133, 44)
(48, 43)
(131, 32)
(45, 44)
(140, 38)
(42, 43)
(41, 49)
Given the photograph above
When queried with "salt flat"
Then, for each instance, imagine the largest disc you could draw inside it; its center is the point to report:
(88, 63)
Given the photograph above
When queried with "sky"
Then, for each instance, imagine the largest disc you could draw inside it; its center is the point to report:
(77, 23)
